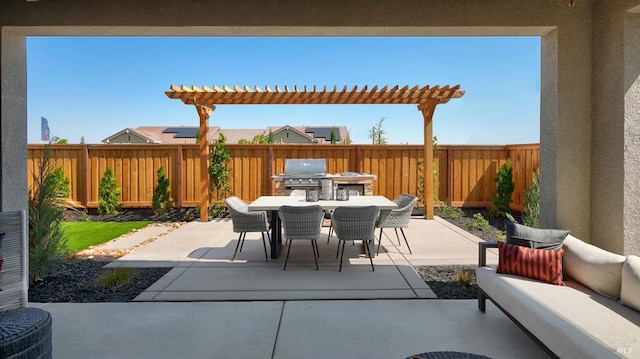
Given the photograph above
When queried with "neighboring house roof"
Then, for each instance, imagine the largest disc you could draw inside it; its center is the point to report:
(186, 134)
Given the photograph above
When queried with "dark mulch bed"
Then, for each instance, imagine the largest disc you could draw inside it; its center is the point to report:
(76, 281)
(128, 215)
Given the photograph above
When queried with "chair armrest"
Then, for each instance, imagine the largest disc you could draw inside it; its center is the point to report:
(482, 252)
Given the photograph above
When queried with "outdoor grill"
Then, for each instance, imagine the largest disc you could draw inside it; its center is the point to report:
(304, 173)
(311, 173)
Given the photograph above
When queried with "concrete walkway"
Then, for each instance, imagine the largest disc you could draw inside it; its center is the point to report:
(230, 322)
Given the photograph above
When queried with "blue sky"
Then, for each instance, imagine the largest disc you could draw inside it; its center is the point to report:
(95, 87)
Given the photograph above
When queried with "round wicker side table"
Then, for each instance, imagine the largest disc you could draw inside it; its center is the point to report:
(25, 333)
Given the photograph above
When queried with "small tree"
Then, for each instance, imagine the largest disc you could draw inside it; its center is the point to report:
(271, 137)
(334, 136)
(531, 203)
(504, 190)
(376, 133)
(47, 240)
(108, 194)
(219, 175)
(162, 201)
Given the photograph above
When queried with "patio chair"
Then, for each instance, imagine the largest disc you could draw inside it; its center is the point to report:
(352, 193)
(355, 223)
(301, 223)
(245, 221)
(397, 218)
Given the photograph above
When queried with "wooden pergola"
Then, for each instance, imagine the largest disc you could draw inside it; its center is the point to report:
(205, 100)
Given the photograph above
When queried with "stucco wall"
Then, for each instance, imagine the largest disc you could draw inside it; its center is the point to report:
(567, 104)
(13, 122)
(288, 136)
(615, 194)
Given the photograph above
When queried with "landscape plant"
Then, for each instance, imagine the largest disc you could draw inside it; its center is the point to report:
(419, 164)
(449, 212)
(47, 196)
(531, 203)
(376, 133)
(108, 194)
(504, 190)
(162, 201)
(219, 173)
(479, 223)
(115, 278)
(464, 278)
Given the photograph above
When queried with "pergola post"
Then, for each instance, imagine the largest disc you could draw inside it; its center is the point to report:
(427, 110)
(203, 114)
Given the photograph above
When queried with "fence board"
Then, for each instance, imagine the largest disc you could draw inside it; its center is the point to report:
(464, 173)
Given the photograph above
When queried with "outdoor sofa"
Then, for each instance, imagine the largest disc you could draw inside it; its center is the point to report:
(593, 310)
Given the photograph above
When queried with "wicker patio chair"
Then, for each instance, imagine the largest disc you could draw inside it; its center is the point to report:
(352, 193)
(355, 223)
(301, 223)
(245, 221)
(397, 218)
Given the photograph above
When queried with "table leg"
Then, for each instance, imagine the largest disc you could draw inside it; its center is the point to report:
(276, 234)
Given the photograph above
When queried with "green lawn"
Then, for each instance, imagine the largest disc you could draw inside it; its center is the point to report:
(82, 235)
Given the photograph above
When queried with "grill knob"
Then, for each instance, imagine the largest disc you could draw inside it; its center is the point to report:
(300, 180)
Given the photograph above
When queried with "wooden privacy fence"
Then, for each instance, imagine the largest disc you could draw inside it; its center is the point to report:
(464, 173)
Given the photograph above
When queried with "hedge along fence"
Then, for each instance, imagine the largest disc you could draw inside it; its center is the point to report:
(464, 173)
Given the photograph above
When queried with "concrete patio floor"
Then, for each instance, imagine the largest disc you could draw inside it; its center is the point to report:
(301, 312)
(200, 254)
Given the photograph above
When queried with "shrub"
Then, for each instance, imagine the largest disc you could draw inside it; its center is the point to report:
(464, 278)
(115, 278)
(531, 203)
(504, 190)
(108, 194)
(449, 212)
(162, 201)
(219, 173)
(479, 223)
(47, 240)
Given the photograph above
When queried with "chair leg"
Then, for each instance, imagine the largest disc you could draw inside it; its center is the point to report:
(341, 255)
(287, 258)
(405, 240)
(329, 236)
(379, 241)
(264, 244)
(237, 246)
(368, 250)
(397, 237)
(242, 244)
(314, 246)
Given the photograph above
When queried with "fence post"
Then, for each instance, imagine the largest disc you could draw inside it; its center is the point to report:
(179, 169)
(85, 174)
(449, 175)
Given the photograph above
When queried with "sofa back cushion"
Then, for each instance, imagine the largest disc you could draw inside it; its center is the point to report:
(521, 235)
(630, 286)
(540, 264)
(594, 267)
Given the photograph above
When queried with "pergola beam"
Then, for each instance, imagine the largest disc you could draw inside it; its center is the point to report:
(206, 98)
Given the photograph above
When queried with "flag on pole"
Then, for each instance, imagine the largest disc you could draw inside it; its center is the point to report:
(44, 129)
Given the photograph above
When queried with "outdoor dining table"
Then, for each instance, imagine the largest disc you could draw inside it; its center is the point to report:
(273, 204)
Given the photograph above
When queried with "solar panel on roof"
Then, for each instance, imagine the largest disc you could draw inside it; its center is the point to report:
(323, 132)
(182, 132)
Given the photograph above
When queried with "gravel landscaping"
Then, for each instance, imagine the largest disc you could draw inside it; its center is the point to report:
(77, 280)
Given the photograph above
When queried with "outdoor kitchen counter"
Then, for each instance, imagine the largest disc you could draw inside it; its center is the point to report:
(352, 180)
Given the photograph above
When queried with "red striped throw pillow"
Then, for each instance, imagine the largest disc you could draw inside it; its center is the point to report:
(541, 264)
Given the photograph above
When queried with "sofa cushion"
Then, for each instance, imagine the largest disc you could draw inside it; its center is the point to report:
(572, 320)
(630, 286)
(534, 237)
(594, 267)
(540, 264)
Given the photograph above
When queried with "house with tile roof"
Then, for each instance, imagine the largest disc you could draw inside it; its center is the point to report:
(188, 134)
